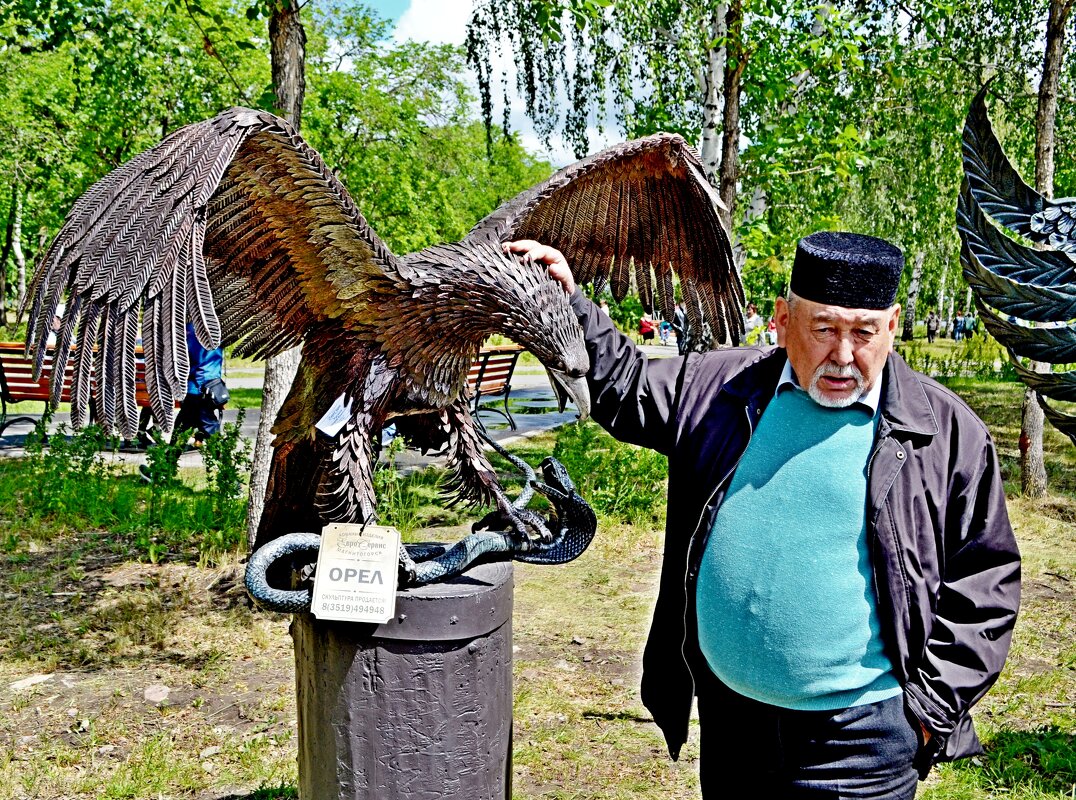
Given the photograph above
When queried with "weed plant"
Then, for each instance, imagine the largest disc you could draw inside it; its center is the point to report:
(67, 475)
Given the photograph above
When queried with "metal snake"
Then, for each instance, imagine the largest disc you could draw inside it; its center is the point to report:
(572, 527)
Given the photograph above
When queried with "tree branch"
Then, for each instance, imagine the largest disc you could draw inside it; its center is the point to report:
(213, 52)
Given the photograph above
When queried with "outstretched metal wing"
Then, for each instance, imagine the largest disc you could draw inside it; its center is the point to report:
(1022, 283)
(1001, 192)
(641, 211)
(234, 224)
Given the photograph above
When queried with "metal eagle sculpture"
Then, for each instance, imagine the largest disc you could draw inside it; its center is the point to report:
(237, 225)
(1020, 282)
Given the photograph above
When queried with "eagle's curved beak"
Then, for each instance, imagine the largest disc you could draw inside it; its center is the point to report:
(566, 388)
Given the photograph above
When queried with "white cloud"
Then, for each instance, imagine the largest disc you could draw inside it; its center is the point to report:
(437, 21)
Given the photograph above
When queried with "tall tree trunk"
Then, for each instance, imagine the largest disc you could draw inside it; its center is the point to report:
(19, 256)
(735, 61)
(941, 289)
(712, 82)
(287, 41)
(913, 296)
(9, 239)
(1032, 463)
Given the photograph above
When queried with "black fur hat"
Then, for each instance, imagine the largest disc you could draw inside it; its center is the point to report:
(847, 269)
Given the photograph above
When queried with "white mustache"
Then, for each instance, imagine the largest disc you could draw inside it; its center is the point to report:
(836, 371)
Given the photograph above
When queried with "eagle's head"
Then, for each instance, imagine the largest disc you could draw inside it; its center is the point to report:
(481, 291)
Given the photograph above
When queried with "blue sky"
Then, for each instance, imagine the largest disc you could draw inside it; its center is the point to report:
(389, 9)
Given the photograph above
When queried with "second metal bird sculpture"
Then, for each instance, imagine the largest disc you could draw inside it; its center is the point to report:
(1038, 286)
(238, 226)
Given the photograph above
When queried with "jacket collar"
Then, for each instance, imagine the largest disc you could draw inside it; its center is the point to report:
(905, 406)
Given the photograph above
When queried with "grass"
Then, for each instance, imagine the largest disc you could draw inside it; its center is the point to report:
(85, 605)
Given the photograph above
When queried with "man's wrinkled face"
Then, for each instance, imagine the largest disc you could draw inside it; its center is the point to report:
(837, 353)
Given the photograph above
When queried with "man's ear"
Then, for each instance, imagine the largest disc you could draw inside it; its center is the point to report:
(782, 311)
(894, 319)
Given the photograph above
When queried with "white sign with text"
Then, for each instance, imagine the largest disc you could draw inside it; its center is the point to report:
(356, 575)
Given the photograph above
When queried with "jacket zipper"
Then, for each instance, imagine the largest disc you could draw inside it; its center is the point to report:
(873, 529)
(691, 543)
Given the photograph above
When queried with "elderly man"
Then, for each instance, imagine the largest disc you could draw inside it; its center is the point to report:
(840, 578)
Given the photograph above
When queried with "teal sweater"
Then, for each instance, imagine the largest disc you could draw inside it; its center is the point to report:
(787, 607)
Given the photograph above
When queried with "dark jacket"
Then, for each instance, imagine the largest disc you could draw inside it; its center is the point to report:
(944, 556)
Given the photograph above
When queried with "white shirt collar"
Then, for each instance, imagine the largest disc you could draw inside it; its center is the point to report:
(869, 401)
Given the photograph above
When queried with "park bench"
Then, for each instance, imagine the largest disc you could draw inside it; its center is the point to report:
(491, 376)
(17, 384)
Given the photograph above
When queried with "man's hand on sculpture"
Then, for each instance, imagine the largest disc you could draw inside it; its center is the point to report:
(554, 260)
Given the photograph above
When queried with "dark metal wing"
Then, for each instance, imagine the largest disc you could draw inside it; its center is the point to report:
(234, 224)
(1037, 285)
(1058, 385)
(1022, 283)
(1002, 193)
(641, 211)
(1066, 423)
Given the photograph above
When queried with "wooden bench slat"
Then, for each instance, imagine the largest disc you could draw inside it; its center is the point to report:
(491, 376)
(19, 386)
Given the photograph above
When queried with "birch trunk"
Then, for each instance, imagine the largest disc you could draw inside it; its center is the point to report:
(287, 40)
(712, 82)
(9, 238)
(941, 290)
(1032, 462)
(20, 260)
(913, 296)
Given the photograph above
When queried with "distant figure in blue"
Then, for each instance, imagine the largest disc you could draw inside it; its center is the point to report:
(206, 393)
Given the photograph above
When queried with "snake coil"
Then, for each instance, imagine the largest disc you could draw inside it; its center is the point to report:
(573, 526)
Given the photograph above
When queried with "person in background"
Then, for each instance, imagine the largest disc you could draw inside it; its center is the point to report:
(202, 408)
(664, 329)
(604, 306)
(647, 326)
(932, 326)
(752, 323)
(958, 327)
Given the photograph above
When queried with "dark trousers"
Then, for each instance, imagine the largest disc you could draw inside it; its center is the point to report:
(198, 414)
(751, 749)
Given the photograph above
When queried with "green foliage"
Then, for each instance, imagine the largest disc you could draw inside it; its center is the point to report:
(70, 481)
(851, 112)
(979, 357)
(620, 481)
(395, 121)
(69, 474)
(227, 458)
(162, 461)
(397, 505)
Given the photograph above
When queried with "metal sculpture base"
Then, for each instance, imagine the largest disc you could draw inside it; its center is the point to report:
(417, 708)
